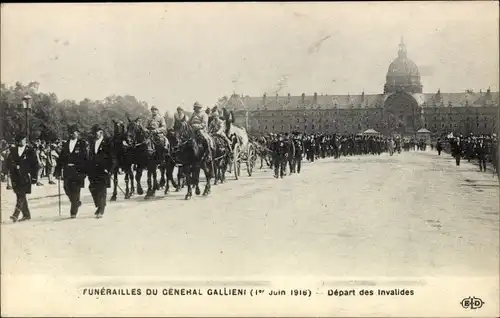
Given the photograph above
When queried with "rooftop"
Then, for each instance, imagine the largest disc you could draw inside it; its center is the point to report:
(290, 102)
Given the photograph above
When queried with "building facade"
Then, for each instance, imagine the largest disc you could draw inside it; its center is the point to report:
(402, 109)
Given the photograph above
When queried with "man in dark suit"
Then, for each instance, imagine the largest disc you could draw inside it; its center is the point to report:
(100, 165)
(481, 151)
(439, 146)
(22, 166)
(72, 162)
(456, 150)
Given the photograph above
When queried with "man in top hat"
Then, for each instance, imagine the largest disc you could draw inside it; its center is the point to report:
(22, 166)
(199, 121)
(179, 118)
(72, 166)
(100, 166)
(156, 124)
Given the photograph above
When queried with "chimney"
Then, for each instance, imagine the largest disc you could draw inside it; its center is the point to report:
(289, 98)
(363, 97)
(303, 98)
(277, 95)
(264, 98)
(315, 98)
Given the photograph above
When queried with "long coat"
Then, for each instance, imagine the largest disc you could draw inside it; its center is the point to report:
(101, 164)
(481, 151)
(23, 169)
(74, 163)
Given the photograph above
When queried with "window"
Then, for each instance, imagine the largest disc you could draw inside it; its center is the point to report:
(451, 125)
(485, 125)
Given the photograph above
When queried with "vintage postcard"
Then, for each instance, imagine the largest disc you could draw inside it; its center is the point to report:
(250, 159)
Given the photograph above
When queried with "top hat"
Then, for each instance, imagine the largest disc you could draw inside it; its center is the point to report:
(96, 128)
(20, 136)
(73, 128)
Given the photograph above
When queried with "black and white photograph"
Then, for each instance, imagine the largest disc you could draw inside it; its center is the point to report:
(250, 159)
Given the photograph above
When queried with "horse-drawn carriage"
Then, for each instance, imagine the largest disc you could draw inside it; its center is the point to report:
(243, 151)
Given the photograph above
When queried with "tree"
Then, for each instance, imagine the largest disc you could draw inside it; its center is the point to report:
(49, 117)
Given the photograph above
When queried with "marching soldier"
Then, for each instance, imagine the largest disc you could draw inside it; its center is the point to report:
(199, 121)
(22, 166)
(100, 165)
(72, 164)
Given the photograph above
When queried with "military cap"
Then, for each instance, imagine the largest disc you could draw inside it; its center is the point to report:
(154, 108)
(73, 128)
(196, 105)
(180, 108)
(20, 136)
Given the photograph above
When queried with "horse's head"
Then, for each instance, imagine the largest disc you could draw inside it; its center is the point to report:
(118, 128)
(135, 132)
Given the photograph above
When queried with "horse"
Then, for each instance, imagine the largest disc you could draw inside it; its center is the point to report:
(221, 159)
(123, 155)
(263, 152)
(237, 135)
(192, 154)
(145, 156)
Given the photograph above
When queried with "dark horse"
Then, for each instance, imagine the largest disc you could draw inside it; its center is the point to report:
(221, 159)
(192, 154)
(145, 155)
(123, 156)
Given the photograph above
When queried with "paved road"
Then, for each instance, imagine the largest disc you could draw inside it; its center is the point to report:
(411, 214)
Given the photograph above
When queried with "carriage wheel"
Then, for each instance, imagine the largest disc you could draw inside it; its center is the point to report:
(250, 160)
(236, 161)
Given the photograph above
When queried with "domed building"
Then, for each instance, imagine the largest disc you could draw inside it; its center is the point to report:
(403, 74)
(401, 109)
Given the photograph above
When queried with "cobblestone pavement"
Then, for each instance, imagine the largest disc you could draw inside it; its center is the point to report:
(411, 214)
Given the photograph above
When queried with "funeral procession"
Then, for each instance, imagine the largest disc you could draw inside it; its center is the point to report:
(212, 149)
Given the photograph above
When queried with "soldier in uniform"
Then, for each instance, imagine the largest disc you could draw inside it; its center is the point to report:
(100, 165)
(216, 126)
(179, 118)
(72, 164)
(157, 126)
(199, 122)
(22, 166)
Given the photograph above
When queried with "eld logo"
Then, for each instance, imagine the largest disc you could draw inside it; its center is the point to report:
(472, 303)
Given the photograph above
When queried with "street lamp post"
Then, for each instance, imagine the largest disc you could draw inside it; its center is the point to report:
(27, 100)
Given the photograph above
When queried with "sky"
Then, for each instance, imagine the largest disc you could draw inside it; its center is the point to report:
(175, 54)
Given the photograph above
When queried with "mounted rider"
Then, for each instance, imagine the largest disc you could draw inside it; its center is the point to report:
(158, 128)
(179, 118)
(199, 122)
(216, 126)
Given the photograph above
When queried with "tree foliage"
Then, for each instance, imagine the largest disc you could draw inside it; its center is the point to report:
(49, 118)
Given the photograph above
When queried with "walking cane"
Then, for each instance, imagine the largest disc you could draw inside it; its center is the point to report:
(59, 192)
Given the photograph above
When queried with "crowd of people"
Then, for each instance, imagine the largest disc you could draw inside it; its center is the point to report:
(482, 149)
(25, 164)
